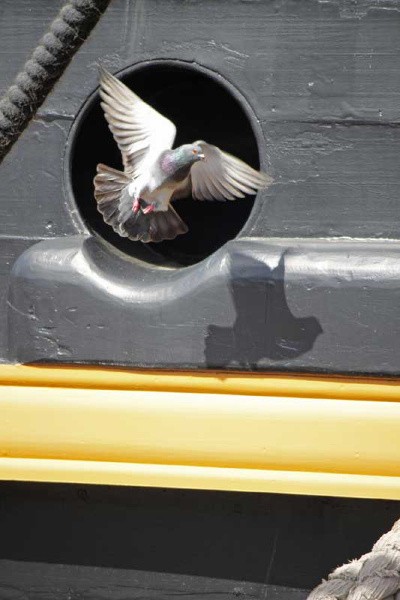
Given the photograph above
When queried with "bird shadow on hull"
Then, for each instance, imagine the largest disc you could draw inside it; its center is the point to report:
(265, 329)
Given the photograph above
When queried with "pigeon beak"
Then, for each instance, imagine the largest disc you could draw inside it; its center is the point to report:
(201, 156)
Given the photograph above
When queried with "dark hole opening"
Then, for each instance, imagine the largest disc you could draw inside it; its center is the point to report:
(201, 108)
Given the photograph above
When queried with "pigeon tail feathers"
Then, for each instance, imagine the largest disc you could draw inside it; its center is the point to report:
(115, 204)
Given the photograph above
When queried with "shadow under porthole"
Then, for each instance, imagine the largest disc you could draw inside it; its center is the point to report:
(201, 108)
(265, 328)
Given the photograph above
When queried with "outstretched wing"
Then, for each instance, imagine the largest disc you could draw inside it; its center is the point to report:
(140, 131)
(221, 176)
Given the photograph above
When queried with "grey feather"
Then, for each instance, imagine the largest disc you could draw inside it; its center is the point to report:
(138, 129)
(221, 176)
(115, 204)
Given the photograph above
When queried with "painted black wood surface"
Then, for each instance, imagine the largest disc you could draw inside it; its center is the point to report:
(100, 543)
(318, 84)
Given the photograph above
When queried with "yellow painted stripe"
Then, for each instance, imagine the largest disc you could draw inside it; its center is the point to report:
(201, 478)
(237, 432)
(168, 429)
(305, 386)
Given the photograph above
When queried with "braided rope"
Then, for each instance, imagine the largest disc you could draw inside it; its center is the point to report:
(48, 61)
(374, 576)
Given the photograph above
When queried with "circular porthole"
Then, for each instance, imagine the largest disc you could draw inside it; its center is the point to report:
(202, 107)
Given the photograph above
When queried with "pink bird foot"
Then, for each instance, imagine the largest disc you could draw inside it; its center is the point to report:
(149, 209)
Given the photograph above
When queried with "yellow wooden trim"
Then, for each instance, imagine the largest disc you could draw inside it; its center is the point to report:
(216, 441)
(200, 478)
(305, 386)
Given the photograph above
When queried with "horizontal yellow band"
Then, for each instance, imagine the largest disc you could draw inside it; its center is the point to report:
(110, 436)
(201, 478)
(305, 386)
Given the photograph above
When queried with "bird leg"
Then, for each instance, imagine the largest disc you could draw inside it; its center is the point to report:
(136, 205)
(149, 209)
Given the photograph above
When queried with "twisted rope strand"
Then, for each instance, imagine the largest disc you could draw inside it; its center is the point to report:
(47, 63)
(374, 576)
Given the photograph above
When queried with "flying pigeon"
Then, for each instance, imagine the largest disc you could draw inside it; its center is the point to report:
(137, 202)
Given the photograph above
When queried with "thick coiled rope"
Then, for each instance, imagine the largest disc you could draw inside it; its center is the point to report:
(48, 61)
(374, 576)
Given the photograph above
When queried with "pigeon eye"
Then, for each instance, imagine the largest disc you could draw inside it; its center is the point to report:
(195, 151)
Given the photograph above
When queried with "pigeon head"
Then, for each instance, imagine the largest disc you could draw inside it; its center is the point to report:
(187, 154)
(197, 152)
(178, 162)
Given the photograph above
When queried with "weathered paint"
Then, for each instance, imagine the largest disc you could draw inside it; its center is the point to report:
(323, 85)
